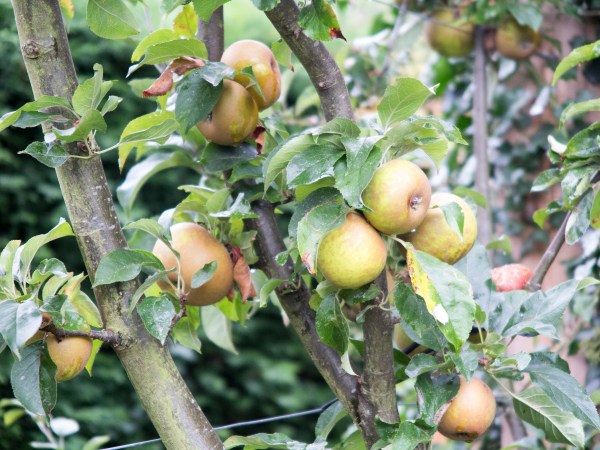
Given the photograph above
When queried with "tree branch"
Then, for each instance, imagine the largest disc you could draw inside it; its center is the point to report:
(108, 336)
(212, 34)
(322, 69)
(482, 176)
(175, 413)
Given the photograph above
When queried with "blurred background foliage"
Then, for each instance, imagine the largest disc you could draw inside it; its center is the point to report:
(272, 374)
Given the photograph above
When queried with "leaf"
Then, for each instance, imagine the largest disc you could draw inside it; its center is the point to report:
(579, 220)
(185, 331)
(447, 294)
(455, 218)
(167, 51)
(433, 392)
(145, 286)
(320, 212)
(31, 247)
(91, 120)
(265, 5)
(205, 8)
(331, 325)
(263, 441)
(312, 165)
(546, 179)
(7, 257)
(409, 436)
(186, 22)
(540, 312)
(526, 14)
(153, 127)
(279, 157)
(563, 389)
(217, 328)
(574, 109)
(90, 93)
(204, 274)
(595, 212)
(50, 154)
(124, 265)
(96, 442)
(196, 98)
(144, 170)
(45, 101)
(32, 380)
(328, 419)
(353, 174)
(110, 19)
(535, 407)
(82, 305)
(157, 314)
(466, 361)
(477, 197)
(402, 100)
(423, 363)
(218, 158)
(577, 56)
(419, 325)
(156, 37)
(268, 288)
(18, 322)
(583, 145)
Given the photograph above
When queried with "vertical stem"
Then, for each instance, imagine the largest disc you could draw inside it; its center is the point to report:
(482, 177)
(163, 393)
(212, 34)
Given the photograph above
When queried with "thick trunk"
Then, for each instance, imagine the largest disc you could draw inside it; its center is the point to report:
(167, 400)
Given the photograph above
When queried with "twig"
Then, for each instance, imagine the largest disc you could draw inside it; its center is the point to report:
(482, 177)
(180, 314)
(108, 336)
(540, 271)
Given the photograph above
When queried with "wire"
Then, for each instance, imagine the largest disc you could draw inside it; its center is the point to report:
(239, 424)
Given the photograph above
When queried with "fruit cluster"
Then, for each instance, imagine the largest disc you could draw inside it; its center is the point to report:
(452, 36)
(235, 115)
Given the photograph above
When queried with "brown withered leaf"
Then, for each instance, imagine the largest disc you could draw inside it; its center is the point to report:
(241, 274)
(164, 83)
(336, 33)
(258, 135)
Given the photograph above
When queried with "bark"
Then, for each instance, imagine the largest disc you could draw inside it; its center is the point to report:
(322, 69)
(212, 34)
(163, 393)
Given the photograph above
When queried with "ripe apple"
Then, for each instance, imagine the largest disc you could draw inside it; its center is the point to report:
(398, 197)
(247, 53)
(516, 41)
(70, 355)
(233, 118)
(447, 36)
(352, 255)
(471, 412)
(510, 277)
(197, 247)
(436, 237)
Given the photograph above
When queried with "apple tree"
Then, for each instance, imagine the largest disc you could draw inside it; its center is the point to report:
(336, 223)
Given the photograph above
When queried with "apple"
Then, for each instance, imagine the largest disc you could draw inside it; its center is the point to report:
(436, 237)
(249, 53)
(233, 118)
(70, 355)
(471, 412)
(510, 277)
(447, 35)
(398, 197)
(516, 41)
(196, 247)
(352, 255)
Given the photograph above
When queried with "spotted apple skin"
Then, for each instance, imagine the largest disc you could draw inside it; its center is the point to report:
(511, 277)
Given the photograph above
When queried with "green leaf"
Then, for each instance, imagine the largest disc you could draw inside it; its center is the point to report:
(205, 8)
(45, 101)
(32, 380)
(153, 127)
(580, 218)
(576, 57)
(311, 22)
(186, 22)
(34, 118)
(534, 406)
(50, 154)
(283, 54)
(90, 93)
(157, 314)
(279, 157)
(124, 265)
(204, 274)
(433, 392)
(31, 247)
(196, 98)
(18, 322)
(217, 328)
(595, 212)
(141, 290)
(563, 389)
(423, 363)
(503, 244)
(466, 361)
(262, 441)
(185, 330)
(156, 37)
(410, 135)
(353, 174)
(47, 268)
(320, 212)
(7, 256)
(410, 435)
(418, 324)
(328, 419)
(546, 179)
(96, 443)
(312, 165)
(218, 158)
(110, 19)
(477, 197)
(526, 14)
(574, 109)
(83, 306)
(402, 100)
(164, 52)
(91, 120)
(144, 170)
(447, 294)
(267, 289)
(455, 218)
(331, 324)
